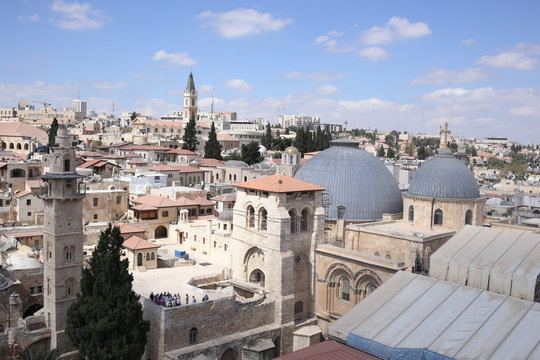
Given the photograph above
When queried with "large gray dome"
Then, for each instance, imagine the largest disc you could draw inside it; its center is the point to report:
(355, 179)
(444, 176)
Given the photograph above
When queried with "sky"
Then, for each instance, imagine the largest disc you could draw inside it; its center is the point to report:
(404, 65)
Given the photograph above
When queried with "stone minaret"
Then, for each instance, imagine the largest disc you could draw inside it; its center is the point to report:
(63, 237)
(190, 100)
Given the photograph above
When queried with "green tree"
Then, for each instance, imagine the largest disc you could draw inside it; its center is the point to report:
(212, 148)
(380, 152)
(53, 130)
(390, 153)
(39, 352)
(300, 140)
(409, 149)
(233, 155)
(133, 116)
(266, 141)
(106, 321)
(190, 136)
(250, 153)
(421, 153)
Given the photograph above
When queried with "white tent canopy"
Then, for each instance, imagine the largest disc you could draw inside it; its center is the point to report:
(502, 261)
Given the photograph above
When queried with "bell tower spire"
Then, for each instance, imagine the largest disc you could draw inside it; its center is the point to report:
(190, 100)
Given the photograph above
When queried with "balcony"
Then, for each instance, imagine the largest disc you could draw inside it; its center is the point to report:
(66, 192)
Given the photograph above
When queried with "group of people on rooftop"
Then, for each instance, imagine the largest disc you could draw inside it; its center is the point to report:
(168, 300)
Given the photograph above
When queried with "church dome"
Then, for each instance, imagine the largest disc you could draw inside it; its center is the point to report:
(226, 215)
(235, 163)
(355, 179)
(62, 131)
(444, 176)
(291, 150)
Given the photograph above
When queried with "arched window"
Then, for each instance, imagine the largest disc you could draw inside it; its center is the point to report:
(250, 217)
(263, 215)
(370, 287)
(66, 165)
(19, 146)
(18, 173)
(193, 336)
(152, 256)
(438, 217)
(298, 307)
(147, 256)
(468, 217)
(139, 259)
(25, 146)
(257, 276)
(345, 289)
(294, 220)
(69, 287)
(411, 213)
(11, 146)
(304, 221)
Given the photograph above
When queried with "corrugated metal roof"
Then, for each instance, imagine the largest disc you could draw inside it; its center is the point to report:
(415, 317)
(444, 176)
(355, 179)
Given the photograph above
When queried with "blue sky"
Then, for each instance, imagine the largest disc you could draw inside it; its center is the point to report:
(406, 65)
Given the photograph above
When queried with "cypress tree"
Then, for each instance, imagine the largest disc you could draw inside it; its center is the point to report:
(106, 321)
(190, 136)
(52, 133)
(266, 141)
(212, 148)
(380, 152)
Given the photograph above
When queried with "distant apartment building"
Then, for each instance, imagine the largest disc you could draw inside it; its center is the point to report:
(8, 113)
(307, 122)
(222, 120)
(79, 107)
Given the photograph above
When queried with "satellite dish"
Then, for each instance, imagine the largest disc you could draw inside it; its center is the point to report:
(262, 149)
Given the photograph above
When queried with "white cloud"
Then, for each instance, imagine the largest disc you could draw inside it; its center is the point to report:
(373, 53)
(468, 42)
(525, 111)
(511, 60)
(242, 22)
(205, 89)
(327, 90)
(321, 76)
(331, 44)
(442, 76)
(181, 59)
(520, 57)
(395, 29)
(30, 18)
(77, 16)
(238, 85)
(138, 75)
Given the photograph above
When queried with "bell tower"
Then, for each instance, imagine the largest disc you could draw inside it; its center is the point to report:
(62, 236)
(190, 100)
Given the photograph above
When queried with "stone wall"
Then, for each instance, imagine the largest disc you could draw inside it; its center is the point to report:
(170, 327)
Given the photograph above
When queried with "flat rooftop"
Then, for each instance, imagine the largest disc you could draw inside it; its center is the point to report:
(400, 229)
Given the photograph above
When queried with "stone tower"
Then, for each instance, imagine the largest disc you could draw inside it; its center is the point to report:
(62, 236)
(290, 161)
(190, 100)
(277, 223)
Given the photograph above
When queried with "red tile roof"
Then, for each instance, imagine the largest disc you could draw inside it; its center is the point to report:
(95, 163)
(23, 129)
(32, 234)
(179, 168)
(210, 162)
(181, 151)
(156, 201)
(329, 350)
(22, 193)
(279, 184)
(126, 228)
(225, 197)
(137, 243)
(144, 147)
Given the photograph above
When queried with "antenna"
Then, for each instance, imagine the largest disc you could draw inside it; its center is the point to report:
(212, 105)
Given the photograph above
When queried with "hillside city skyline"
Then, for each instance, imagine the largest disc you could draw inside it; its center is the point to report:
(393, 66)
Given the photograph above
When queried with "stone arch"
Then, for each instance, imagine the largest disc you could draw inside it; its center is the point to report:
(19, 147)
(263, 219)
(336, 267)
(251, 253)
(31, 310)
(139, 259)
(305, 219)
(160, 232)
(11, 146)
(17, 173)
(366, 283)
(3, 145)
(250, 216)
(468, 217)
(193, 334)
(438, 217)
(257, 276)
(147, 256)
(69, 286)
(536, 211)
(411, 213)
(229, 354)
(25, 146)
(298, 307)
(294, 220)
(112, 187)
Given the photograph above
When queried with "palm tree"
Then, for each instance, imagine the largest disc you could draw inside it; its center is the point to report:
(39, 352)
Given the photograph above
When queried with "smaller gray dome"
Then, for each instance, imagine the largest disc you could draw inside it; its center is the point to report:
(5, 283)
(62, 131)
(226, 215)
(444, 176)
(235, 163)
